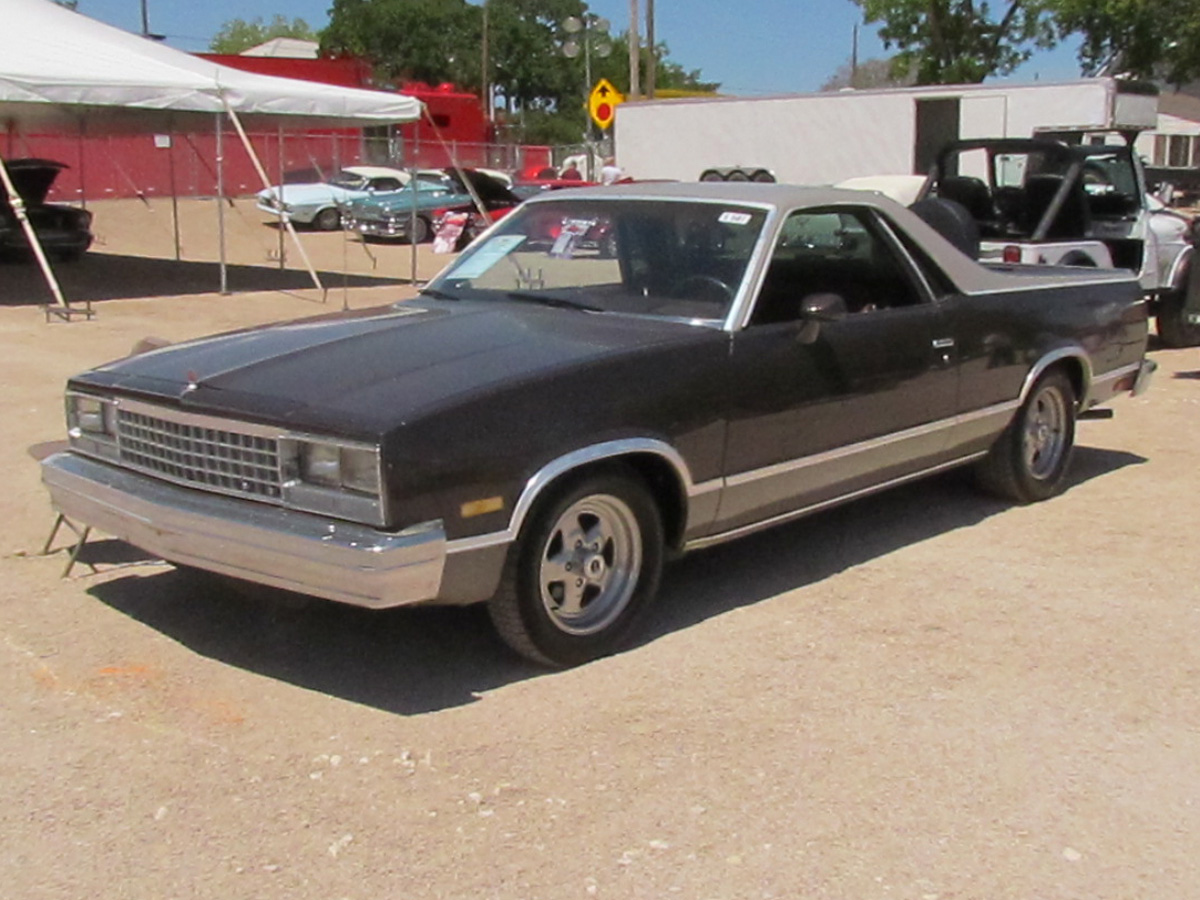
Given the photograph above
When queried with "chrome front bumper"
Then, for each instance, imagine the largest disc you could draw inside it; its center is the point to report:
(296, 551)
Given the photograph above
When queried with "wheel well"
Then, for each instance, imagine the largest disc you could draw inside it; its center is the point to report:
(660, 478)
(1072, 367)
(1079, 258)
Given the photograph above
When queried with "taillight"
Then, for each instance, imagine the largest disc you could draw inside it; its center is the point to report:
(1012, 254)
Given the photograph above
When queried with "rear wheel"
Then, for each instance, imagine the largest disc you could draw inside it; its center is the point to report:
(1173, 327)
(1029, 460)
(585, 567)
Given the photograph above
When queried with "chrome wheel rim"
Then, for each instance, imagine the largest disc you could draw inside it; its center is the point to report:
(589, 564)
(1045, 436)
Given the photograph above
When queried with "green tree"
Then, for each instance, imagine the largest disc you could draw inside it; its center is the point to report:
(669, 75)
(1143, 38)
(237, 35)
(526, 39)
(960, 41)
(542, 89)
(419, 40)
(867, 75)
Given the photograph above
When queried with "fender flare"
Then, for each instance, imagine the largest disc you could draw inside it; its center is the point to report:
(1073, 353)
(563, 465)
(1177, 279)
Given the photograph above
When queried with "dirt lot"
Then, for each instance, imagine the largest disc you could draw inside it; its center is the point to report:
(927, 694)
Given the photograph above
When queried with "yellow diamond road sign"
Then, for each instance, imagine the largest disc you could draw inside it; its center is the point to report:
(603, 102)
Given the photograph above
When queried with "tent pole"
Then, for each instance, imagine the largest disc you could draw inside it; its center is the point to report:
(174, 193)
(262, 173)
(82, 168)
(18, 208)
(220, 203)
(281, 230)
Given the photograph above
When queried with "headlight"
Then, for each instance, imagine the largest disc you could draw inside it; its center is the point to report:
(92, 424)
(90, 415)
(340, 467)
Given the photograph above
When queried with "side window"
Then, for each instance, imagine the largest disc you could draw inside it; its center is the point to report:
(832, 251)
(386, 184)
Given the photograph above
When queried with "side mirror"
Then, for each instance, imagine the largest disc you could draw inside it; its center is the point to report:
(823, 307)
(818, 308)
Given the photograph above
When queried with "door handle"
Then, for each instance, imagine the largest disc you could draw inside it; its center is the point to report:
(943, 343)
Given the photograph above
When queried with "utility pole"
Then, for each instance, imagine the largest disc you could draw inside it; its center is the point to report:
(854, 58)
(652, 59)
(635, 52)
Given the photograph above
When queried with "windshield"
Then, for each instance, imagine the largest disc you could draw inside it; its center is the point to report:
(349, 180)
(672, 259)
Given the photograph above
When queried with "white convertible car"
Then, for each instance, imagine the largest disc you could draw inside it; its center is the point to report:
(317, 204)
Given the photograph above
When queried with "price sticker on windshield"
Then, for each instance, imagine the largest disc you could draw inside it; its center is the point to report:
(487, 256)
(573, 231)
(734, 218)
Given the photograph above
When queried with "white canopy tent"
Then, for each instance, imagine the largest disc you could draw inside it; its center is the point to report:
(61, 71)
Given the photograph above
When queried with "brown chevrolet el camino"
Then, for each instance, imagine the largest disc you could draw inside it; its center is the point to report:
(552, 418)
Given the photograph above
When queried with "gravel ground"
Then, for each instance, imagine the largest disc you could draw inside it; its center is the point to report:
(926, 694)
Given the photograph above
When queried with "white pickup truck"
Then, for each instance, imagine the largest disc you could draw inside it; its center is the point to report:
(1044, 201)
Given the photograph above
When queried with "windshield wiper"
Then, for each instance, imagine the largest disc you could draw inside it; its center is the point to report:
(436, 294)
(551, 300)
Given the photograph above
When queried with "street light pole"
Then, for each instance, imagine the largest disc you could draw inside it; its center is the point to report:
(635, 51)
(652, 59)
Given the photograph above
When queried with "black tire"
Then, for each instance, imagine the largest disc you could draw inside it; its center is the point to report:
(951, 220)
(1029, 460)
(615, 564)
(421, 231)
(1174, 329)
(1079, 259)
(327, 220)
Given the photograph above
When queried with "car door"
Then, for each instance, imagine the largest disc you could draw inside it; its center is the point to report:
(865, 400)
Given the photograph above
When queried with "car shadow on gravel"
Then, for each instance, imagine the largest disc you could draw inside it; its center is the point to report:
(109, 276)
(811, 549)
(410, 661)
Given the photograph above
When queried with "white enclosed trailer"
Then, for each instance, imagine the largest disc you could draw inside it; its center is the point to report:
(828, 137)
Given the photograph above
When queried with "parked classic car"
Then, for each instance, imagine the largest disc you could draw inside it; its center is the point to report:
(391, 217)
(543, 426)
(65, 232)
(1045, 201)
(319, 204)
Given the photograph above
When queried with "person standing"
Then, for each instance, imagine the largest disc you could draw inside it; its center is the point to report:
(611, 173)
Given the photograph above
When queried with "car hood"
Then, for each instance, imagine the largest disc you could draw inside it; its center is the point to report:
(365, 373)
(297, 194)
(387, 204)
(32, 178)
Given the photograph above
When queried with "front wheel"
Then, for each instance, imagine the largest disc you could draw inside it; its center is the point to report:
(585, 566)
(1029, 460)
(328, 219)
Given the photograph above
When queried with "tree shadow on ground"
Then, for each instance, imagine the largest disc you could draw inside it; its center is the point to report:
(416, 660)
(107, 276)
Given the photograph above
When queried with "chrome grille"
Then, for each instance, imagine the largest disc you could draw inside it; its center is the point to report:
(218, 458)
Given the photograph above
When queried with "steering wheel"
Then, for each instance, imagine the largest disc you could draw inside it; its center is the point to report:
(702, 287)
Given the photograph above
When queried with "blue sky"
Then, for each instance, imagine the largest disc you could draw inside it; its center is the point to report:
(752, 47)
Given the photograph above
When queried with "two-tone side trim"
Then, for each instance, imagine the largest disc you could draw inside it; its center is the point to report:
(585, 456)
